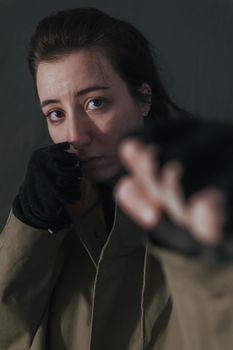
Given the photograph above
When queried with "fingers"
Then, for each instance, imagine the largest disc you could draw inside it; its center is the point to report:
(139, 194)
(159, 186)
(140, 161)
(63, 156)
(205, 215)
(54, 169)
(137, 204)
(146, 194)
(171, 192)
(59, 162)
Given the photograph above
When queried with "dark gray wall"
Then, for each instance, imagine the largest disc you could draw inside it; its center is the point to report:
(194, 42)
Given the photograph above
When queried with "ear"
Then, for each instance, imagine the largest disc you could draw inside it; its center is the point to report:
(145, 106)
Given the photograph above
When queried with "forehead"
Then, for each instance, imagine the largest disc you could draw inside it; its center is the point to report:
(74, 71)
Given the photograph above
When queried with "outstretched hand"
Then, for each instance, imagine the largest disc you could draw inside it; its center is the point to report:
(181, 170)
(147, 193)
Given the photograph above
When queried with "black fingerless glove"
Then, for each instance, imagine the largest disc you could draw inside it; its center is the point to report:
(205, 151)
(52, 179)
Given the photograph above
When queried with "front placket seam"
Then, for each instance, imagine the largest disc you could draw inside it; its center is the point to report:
(96, 276)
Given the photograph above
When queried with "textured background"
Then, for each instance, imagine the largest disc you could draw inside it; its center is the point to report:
(194, 44)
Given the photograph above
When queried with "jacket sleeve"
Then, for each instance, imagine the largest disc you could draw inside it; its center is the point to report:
(30, 261)
(202, 298)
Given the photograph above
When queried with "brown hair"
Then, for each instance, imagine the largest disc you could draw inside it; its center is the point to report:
(89, 28)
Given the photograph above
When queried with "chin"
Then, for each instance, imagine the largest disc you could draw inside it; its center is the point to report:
(98, 178)
(103, 177)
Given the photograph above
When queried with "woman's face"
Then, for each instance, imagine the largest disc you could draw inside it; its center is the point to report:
(88, 104)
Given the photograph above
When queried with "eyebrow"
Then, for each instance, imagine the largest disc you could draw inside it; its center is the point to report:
(77, 94)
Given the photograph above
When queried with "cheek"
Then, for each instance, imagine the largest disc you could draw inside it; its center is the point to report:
(56, 134)
(125, 121)
(121, 121)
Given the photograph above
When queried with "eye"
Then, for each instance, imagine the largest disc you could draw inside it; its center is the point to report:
(96, 103)
(54, 115)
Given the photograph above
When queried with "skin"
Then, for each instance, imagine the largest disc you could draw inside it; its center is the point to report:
(94, 119)
(146, 197)
(88, 104)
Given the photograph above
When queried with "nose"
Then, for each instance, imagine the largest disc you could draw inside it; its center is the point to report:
(78, 132)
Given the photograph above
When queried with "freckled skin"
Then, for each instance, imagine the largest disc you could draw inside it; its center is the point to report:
(95, 121)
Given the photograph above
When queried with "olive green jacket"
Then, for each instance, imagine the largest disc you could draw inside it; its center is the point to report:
(80, 289)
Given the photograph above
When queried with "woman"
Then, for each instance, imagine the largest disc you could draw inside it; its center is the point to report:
(76, 272)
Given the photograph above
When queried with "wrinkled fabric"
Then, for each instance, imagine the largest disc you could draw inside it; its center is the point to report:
(85, 289)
